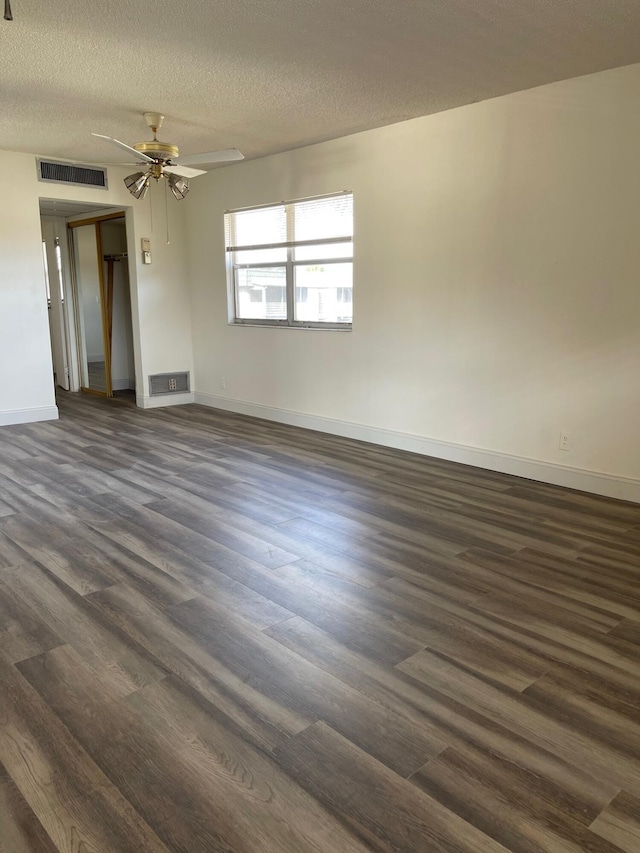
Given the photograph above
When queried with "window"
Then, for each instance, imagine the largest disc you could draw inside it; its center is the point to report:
(47, 282)
(59, 267)
(46, 273)
(291, 264)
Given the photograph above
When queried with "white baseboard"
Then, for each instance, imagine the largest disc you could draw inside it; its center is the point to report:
(175, 399)
(29, 416)
(623, 488)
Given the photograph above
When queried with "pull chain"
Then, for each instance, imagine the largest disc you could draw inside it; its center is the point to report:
(166, 210)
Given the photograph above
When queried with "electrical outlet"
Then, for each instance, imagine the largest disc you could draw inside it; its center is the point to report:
(565, 441)
(173, 385)
(223, 383)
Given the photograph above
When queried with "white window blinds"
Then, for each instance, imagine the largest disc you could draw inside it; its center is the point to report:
(284, 225)
(292, 263)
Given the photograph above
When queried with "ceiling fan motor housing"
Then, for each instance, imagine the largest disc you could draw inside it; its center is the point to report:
(158, 150)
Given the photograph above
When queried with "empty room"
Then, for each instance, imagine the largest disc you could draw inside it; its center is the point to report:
(319, 426)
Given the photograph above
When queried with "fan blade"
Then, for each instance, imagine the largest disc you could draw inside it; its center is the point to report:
(126, 147)
(183, 171)
(227, 155)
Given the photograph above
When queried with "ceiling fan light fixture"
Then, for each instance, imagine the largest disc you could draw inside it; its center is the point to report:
(178, 185)
(137, 184)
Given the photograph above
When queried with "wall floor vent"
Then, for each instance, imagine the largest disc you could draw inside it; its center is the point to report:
(169, 383)
(68, 173)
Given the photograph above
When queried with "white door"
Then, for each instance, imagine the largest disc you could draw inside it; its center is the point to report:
(55, 298)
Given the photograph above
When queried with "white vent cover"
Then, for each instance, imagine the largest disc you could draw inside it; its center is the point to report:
(68, 173)
(169, 383)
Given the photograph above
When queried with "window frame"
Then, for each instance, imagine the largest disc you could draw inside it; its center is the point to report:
(289, 265)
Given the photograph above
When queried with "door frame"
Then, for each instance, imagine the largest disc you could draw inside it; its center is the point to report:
(106, 296)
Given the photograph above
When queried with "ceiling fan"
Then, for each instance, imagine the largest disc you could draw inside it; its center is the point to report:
(161, 159)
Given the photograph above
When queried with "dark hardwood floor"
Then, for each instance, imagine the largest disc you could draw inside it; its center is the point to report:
(224, 634)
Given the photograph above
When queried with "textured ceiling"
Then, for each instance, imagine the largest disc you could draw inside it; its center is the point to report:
(269, 75)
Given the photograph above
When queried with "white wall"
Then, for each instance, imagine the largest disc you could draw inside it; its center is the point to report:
(26, 377)
(159, 292)
(496, 292)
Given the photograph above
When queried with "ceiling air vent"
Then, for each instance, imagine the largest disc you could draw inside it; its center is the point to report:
(169, 383)
(68, 173)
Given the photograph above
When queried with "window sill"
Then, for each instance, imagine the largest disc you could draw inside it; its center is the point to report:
(325, 327)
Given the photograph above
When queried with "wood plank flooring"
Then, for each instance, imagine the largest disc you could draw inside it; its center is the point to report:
(224, 634)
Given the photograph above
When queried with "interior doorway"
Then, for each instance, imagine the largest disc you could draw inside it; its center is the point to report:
(89, 298)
